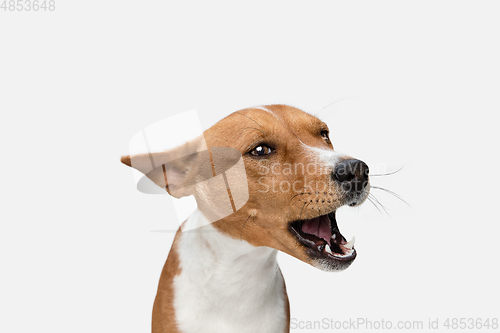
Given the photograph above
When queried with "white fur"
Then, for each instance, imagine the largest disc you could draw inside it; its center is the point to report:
(226, 285)
(261, 107)
(328, 157)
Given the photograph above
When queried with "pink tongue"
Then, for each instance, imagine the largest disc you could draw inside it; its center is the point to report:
(319, 226)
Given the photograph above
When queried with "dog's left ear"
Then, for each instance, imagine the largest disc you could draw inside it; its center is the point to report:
(174, 170)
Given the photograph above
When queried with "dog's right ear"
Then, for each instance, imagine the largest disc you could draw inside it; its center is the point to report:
(174, 170)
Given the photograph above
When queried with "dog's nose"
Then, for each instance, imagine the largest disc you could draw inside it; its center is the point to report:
(352, 174)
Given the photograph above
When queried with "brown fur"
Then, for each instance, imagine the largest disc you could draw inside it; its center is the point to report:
(284, 128)
(265, 218)
(163, 308)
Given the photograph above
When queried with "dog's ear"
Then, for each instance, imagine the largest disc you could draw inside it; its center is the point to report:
(174, 170)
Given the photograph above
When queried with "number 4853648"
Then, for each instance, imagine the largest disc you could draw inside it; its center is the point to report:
(471, 323)
(28, 5)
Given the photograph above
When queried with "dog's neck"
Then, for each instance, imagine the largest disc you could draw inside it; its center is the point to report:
(228, 281)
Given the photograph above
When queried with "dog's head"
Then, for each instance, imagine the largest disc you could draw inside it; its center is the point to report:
(296, 182)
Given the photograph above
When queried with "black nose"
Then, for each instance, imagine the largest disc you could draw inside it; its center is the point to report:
(351, 174)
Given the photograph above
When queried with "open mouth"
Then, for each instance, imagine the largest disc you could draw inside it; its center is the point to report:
(322, 237)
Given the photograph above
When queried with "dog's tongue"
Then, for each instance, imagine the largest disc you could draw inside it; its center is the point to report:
(319, 226)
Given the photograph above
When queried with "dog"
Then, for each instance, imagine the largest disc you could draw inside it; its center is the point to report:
(221, 274)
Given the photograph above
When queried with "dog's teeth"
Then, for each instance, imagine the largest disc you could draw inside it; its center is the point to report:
(327, 249)
(350, 245)
(334, 236)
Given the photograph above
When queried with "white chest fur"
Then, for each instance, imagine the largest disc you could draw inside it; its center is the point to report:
(227, 285)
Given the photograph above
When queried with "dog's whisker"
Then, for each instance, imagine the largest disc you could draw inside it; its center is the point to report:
(296, 196)
(300, 215)
(373, 203)
(289, 202)
(244, 115)
(391, 192)
(307, 214)
(388, 174)
(329, 104)
(383, 207)
(254, 129)
(241, 233)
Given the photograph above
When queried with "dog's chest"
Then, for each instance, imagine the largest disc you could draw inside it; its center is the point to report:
(227, 285)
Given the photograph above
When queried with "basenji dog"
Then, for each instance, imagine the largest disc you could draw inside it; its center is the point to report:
(280, 184)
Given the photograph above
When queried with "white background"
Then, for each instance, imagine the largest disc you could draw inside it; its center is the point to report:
(418, 84)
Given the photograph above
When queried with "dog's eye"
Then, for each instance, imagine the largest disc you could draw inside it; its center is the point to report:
(325, 136)
(261, 150)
